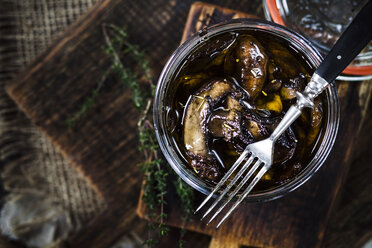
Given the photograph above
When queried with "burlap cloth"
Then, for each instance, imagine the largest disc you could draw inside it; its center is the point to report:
(29, 163)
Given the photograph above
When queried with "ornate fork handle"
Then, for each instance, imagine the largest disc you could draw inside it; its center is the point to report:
(306, 99)
(316, 86)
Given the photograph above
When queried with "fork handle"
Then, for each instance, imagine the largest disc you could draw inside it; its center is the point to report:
(316, 85)
(357, 35)
(292, 114)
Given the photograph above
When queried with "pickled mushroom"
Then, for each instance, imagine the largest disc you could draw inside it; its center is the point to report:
(254, 129)
(288, 91)
(287, 66)
(274, 81)
(285, 147)
(225, 124)
(195, 122)
(247, 62)
(316, 121)
(233, 103)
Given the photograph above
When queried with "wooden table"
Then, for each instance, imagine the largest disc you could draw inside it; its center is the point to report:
(102, 146)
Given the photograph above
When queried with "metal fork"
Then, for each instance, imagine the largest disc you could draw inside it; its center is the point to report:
(260, 154)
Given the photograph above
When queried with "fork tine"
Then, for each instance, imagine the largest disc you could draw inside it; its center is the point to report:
(263, 170)
(232, 183)
(223, 180)
(254, 167)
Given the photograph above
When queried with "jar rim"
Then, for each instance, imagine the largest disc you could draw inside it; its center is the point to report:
(159, 111)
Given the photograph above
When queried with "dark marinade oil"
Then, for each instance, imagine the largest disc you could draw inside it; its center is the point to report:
(286, 71)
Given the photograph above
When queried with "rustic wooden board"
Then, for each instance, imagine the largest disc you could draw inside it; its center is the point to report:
(103, 146)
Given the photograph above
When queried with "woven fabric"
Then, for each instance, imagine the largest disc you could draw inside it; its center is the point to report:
(31, 163)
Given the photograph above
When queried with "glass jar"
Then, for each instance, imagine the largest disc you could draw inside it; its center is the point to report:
(165, 89)
(322, 22)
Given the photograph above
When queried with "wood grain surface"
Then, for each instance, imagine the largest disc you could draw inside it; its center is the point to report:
(103, 146)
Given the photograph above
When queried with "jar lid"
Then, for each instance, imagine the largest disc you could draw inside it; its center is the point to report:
(322, 22)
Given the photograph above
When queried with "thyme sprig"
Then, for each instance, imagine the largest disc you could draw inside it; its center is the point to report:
(118, 47)
(88, 102)
(138, 79)
(142, 88)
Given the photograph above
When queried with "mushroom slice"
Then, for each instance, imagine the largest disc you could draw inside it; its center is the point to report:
(254, 129)
(196, 114)
(216, 123)
(289, 89)
(316, 121)
(287, 93)
(225, 124)
(287, 64)
(233, 103)
(274, 82)
(247, 62)
(255, 126)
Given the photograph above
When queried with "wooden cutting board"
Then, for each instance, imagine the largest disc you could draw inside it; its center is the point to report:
(103, 145)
